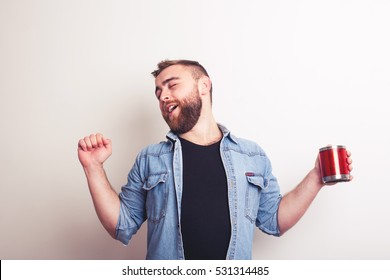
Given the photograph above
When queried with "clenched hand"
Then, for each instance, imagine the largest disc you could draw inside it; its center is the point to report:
(94, 150)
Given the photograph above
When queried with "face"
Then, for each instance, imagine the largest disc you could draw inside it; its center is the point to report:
(179, 99)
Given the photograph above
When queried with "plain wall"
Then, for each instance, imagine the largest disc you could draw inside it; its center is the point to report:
(291, 75)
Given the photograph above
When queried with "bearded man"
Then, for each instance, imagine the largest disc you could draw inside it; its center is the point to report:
(203, 190)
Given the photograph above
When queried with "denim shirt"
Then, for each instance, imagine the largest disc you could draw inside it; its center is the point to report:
(154, 190)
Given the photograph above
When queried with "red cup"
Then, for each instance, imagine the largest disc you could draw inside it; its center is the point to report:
(334, 164)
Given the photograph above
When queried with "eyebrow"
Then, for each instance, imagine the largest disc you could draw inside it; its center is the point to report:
(165, 82)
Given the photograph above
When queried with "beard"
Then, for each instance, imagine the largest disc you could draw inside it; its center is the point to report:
(188, 116)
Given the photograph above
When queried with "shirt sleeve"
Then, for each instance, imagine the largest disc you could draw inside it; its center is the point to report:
(270, 197)
(132, 205)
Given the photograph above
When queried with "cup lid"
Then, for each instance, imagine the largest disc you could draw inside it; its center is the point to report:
(331, 147)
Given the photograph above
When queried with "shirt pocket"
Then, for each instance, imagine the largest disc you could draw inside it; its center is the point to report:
(156, 196)
(252, 196)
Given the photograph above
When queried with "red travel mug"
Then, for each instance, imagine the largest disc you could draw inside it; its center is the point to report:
(334, 165)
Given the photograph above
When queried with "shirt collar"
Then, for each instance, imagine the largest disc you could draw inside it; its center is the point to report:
(172, 137)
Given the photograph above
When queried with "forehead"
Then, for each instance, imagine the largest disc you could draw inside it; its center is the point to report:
(177, 71)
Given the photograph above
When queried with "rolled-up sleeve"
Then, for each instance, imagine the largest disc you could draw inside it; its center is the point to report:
(270, 197)
(132, 205)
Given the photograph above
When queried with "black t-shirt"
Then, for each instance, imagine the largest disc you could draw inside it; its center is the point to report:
(205, 218)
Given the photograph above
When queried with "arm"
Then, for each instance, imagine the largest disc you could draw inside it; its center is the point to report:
(295, 203)
(93, 151)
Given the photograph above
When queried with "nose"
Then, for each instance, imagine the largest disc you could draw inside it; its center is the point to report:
(165, 95)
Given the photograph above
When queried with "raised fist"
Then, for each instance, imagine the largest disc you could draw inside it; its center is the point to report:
(94, 150)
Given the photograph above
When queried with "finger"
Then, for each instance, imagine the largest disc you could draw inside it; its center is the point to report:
(99, 139)
(92, 137)
(348, 153)
(349, 160)
(82, 145)
(350, 168)
(88, 143)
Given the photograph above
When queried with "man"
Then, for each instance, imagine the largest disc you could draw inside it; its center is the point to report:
(203, 190)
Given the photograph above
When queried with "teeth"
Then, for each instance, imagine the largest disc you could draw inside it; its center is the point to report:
(171, 108)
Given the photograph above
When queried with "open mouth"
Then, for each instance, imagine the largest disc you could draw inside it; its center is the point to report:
(171, 108)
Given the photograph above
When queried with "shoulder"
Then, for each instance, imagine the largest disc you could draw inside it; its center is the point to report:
(164, 147)
(240, 145)
(245, 146)
(153, 158)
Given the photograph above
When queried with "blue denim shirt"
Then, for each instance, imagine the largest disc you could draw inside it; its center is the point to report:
(154, 190)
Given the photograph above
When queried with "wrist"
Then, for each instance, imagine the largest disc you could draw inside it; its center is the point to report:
(93, 167)
(315, 177)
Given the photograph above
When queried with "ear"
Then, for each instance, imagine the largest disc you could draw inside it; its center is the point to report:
(204, 85)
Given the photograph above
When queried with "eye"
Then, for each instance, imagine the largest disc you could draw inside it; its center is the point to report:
(172, 85)
(158, 94)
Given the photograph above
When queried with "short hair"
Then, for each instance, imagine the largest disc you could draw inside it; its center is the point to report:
(197, 69)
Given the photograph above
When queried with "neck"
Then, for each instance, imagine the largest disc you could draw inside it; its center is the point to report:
(205, 132)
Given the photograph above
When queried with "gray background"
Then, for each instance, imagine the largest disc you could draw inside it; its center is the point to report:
(291, 75)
